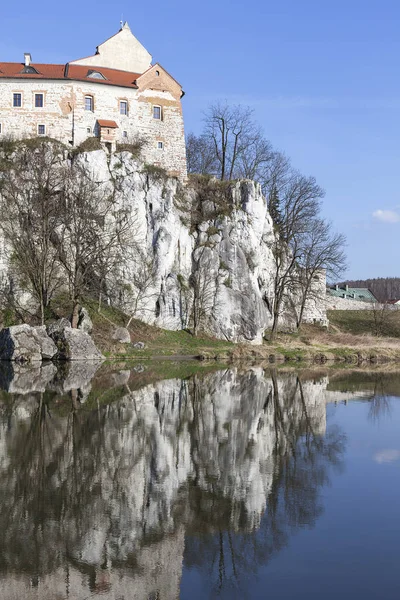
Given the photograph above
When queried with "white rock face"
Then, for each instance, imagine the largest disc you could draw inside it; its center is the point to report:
(194, 260)
(228, 256)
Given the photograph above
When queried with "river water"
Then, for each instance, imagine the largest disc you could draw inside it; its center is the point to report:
(149, 482)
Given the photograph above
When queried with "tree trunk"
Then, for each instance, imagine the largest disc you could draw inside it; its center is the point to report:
(75, 315)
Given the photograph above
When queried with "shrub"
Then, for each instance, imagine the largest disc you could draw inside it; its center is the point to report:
(89, 145)
(133, 145)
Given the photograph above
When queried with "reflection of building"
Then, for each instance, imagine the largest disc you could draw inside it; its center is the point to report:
(121, 484)
(116, 95)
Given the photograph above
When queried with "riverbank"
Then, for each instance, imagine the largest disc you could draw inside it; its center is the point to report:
(312, 344)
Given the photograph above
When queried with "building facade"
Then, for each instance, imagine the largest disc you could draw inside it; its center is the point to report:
(116, 95)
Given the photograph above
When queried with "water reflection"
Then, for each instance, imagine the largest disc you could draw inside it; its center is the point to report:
(106, 489)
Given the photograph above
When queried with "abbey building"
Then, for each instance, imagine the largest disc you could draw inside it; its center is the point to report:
(116, 95)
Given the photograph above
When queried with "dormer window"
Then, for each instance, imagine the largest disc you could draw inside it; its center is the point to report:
(29, 70)
(95, 75)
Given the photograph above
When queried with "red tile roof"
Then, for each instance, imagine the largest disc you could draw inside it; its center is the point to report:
(105, 123)
(69, 72)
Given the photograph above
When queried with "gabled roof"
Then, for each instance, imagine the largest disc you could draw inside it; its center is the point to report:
(109, 124)
(70, 72)
(352, 293)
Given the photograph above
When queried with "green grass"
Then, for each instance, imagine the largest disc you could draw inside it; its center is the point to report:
(362, 322)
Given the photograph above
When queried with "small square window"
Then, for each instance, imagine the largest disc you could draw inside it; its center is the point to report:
(157, 114)
(123, 107)
(89, 103)
(38, 100)
(124, 134)
(41, 129)
(17, 100)
(160, 145)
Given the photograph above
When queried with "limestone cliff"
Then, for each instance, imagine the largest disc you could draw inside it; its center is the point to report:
(208, 247)
(199, 256)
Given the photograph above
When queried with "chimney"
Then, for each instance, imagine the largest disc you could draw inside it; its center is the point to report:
(27, 58)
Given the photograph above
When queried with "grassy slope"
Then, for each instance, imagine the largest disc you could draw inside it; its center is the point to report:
(348, 339)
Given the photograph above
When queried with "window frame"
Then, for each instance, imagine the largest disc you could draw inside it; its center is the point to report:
(38, 95)
(125, 102)
(160, 145)
(91, 98)
(159, 108)
(15, 94)
(44, 128)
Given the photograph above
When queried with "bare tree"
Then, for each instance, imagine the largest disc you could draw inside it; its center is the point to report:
(381, 318)
(300, 204)
(200, 155)
(93, 237)
(31, 192)
(203, 283)
(321, 249)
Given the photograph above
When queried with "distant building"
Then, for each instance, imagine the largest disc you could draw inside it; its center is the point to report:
(352, 293)
(116, 95)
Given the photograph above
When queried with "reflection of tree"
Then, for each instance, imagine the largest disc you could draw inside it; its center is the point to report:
(302, 459)
(237, 458)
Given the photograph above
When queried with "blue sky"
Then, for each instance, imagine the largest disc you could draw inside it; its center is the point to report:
(323, 79)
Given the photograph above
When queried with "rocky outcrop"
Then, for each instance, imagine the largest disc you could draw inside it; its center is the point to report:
(196, 257)
(74, 344)
(26, 344)
(22, 343)
(204, 251)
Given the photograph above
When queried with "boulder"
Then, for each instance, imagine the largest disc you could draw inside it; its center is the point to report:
(84, 321)
(58, 327)
(139, 345)
(22, 343)
(47, 346)
(74, 344)
(122, 335)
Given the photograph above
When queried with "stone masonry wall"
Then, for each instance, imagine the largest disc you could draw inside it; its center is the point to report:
(66, 119)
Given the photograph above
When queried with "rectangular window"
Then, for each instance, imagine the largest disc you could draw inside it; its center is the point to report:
(39, 100)
(124, 134)
(1, 129)
(160, 145)
(157, 114)
(88, 130)
(41, 129)
(89, 103)
(17, 100)
(123, 107)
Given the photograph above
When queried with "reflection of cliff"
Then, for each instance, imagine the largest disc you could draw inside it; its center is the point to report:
(98, 501)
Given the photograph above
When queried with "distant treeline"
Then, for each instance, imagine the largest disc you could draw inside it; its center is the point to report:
(383, 288)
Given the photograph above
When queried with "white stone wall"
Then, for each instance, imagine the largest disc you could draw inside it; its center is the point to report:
(121, 51)
(334, 303)
(66, 119)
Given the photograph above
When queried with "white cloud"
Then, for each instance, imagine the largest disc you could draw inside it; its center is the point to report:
(386, 216)
(387, 456)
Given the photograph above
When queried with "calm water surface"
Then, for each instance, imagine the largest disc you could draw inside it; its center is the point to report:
(120, 484)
